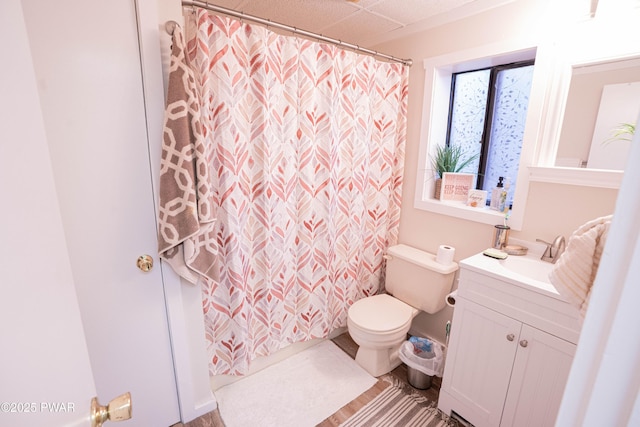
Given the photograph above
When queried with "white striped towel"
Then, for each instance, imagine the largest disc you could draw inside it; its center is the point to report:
(575, 271)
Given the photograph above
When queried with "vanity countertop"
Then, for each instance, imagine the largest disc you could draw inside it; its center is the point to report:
(525, 271)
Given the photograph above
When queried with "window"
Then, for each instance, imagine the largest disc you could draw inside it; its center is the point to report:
(440, 71)
(487, 115)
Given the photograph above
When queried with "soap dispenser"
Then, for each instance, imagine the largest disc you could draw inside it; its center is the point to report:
(503, 206)
(496, 193)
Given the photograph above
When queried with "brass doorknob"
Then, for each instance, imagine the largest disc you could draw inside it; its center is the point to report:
(145, 263)
(119, 409)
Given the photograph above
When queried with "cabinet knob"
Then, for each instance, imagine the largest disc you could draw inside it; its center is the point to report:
(524, 343)
(510, 337)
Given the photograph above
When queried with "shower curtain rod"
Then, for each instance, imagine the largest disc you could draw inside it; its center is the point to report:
(242, 15)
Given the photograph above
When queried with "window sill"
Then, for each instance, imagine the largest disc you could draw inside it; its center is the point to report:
(462, 211)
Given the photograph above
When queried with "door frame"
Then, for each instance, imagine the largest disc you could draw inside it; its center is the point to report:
(183, 300)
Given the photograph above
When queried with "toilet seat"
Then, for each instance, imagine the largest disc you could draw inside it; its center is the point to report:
(381, 314)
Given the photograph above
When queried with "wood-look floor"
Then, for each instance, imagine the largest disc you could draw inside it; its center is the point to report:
(345, 342)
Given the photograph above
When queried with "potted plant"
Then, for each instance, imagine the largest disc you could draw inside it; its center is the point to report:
(448, 158)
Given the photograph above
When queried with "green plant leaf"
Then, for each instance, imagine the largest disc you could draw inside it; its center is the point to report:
(624, 132)
(449, 158)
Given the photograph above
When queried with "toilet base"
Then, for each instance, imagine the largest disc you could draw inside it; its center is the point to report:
(378, 362)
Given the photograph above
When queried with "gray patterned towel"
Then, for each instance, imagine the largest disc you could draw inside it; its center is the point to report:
(186, 216)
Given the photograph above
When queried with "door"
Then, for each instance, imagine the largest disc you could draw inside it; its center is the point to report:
(45, 373)
(479, 362)
(87, 62)
(539, 376)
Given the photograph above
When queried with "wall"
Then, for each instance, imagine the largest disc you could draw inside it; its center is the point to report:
(551, 209)
(44, 357)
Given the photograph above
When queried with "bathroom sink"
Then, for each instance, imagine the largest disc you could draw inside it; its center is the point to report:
(527, 271)
(533, 268)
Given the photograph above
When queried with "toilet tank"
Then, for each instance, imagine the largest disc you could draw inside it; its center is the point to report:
(414, 276)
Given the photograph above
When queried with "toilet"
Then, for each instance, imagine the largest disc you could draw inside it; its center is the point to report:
(379, 324)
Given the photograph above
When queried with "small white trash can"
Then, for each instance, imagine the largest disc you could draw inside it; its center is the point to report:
(422, 366)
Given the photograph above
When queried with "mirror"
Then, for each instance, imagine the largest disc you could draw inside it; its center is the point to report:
(602, 100)
(591, 58)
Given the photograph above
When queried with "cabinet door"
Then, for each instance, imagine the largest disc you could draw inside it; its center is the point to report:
(539, 376)
(479, 362)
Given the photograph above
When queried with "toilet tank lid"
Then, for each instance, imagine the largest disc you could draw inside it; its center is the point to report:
(421, 258)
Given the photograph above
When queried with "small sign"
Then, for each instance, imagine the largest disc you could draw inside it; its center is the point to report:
(456, 186)
(477, 198)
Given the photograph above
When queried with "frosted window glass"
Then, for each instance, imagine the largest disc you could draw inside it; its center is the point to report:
(507, 128)
(468, 114)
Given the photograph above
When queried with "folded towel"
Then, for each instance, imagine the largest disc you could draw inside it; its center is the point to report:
(186, 238)
(575, 271)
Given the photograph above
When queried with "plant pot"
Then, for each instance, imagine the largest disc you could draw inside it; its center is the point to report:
(438, 189)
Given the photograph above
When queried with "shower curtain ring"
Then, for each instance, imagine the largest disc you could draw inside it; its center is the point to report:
(170, 27)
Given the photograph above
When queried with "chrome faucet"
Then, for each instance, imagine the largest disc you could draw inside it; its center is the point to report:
(554, 250)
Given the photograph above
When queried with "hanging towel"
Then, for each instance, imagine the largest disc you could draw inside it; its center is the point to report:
(186, 216)
(575, 271)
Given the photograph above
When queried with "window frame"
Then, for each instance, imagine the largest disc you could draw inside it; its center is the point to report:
(488, 113)
(435, 112)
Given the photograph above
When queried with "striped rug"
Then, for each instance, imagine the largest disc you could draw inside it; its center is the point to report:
(396, 404)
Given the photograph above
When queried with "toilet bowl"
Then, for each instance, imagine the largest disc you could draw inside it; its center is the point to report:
(379, 324)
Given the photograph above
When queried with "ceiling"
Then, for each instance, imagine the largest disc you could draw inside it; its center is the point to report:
(361, 22)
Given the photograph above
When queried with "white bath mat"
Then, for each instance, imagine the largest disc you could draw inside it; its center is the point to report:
(299, 391)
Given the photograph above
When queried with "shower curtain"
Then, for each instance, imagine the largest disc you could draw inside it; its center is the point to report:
(306, 142)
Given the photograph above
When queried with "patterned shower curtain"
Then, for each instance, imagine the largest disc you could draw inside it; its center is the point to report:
(307, 153)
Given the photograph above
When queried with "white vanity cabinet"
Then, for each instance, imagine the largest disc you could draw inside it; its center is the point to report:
(511, 348)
